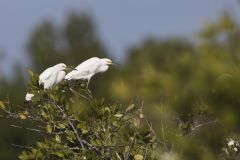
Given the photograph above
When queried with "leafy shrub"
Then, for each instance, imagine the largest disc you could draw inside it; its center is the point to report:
(74, 125)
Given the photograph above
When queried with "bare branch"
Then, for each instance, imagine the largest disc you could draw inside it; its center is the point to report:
(130, 147)
(20, 146)
(195, 128)
(31, 129)
(118, 156)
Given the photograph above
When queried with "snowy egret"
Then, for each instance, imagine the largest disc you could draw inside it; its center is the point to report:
(53, 75)
(29, 96)
(89, 68)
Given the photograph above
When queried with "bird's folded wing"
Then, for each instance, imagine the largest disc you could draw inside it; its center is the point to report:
(95, 68)
(87, 66)
(82, 69)
(46, 75)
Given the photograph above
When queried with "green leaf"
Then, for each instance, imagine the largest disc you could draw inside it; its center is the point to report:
(85, 131)
(70, 136)
(42, 145)
(44, 114)
(34, 150)
(2, 105)
(32, 154)
(30, 73)
(135, 122)
(118, 115)
(141, 116)
(49, 128)
(59, 154)
(107, 109)
(115, 124)
(83, 126)
(39, 154)
(58, 139)
(23, 156)
(138, 157)
(126, 149)
(62, 126)
(23, 115)
(129, 108)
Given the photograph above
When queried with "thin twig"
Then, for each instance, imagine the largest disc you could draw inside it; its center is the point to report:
(203, 124)
(72, 126)
(130, 147)
(82, 142)
(76, 133)
(195, 128)
(145, 154)
(10, 116)
(80, 94)
(118, 156)
(16, 116)
(25, 147)
(163, 135)
(31, 129)
(152, 130)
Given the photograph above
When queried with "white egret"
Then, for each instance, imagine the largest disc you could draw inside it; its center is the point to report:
(89, 68)
(29, 96)
(52, 75)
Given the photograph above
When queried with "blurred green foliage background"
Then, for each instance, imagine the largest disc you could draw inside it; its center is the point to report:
(190, 88)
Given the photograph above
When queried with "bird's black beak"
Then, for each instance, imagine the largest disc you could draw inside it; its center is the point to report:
(70, 68)
(116, 64)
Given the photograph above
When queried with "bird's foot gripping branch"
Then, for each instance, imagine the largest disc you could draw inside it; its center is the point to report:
(74, 125)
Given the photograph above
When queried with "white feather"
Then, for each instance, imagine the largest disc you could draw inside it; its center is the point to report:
(52, 75)
(89, 68)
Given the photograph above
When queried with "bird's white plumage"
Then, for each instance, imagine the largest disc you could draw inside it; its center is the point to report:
(88, 68)
(82, 70)
(52, 75)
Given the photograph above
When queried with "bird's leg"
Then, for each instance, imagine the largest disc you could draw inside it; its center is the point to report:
(88, 81)
(88, 91)
(69, 84)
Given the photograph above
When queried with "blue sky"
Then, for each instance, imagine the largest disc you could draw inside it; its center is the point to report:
(120, 24)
